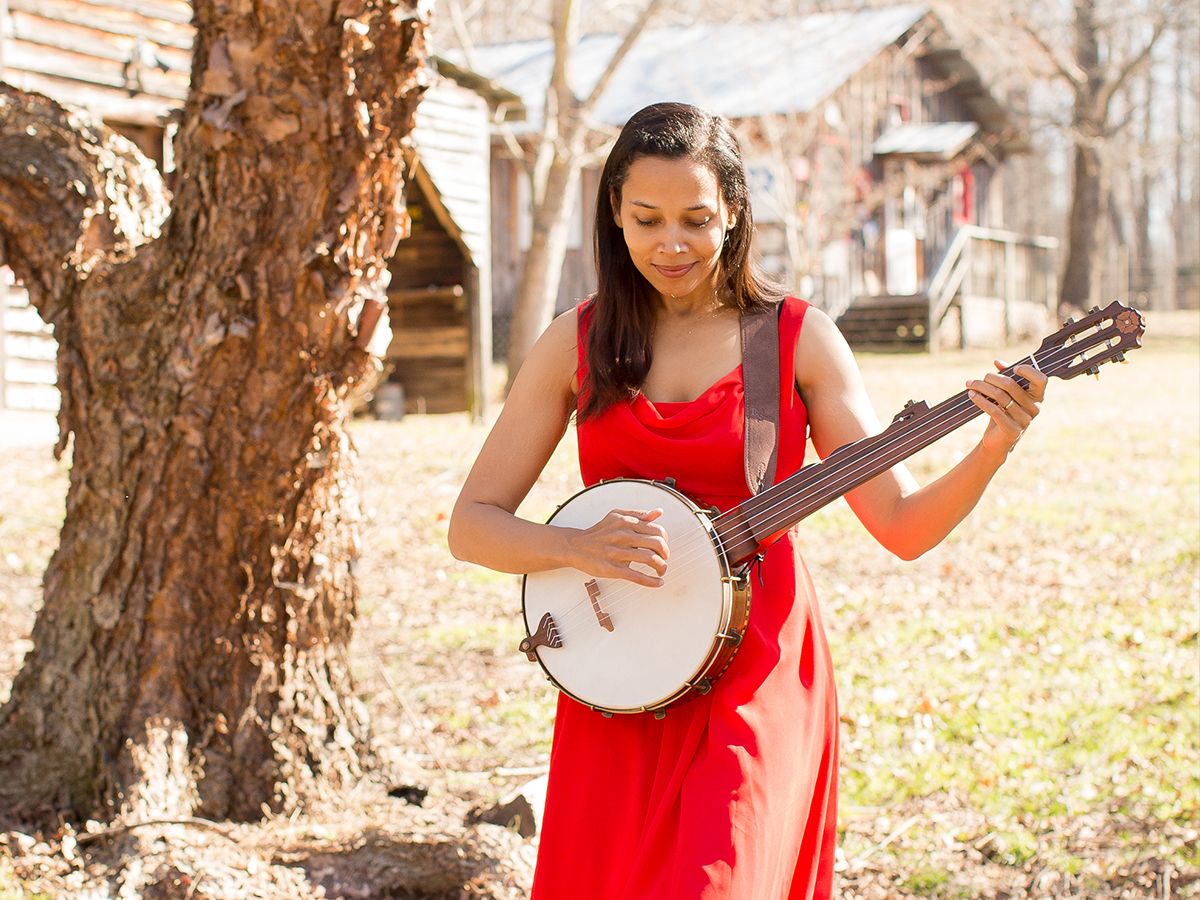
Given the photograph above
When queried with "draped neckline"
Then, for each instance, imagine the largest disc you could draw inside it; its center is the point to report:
(680, 411)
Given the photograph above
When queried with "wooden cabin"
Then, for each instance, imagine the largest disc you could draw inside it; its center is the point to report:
(440, 294)
(130, 63)
(875, 155)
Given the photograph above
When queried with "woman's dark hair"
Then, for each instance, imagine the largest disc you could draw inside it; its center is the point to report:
(621, 329)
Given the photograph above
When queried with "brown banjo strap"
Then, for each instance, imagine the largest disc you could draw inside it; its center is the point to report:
(760, 378)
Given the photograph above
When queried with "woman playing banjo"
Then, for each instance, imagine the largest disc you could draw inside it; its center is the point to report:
(733, 793)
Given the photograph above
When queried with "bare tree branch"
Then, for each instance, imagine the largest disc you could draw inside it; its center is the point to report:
(463, 36)
(1111, 129)
(560, 98)
(599, 153)
(1133, 64)
(618, 57)
(1065, 67)
(458, 22)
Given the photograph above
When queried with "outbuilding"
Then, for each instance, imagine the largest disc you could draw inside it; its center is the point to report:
(130, 64)
(877, 157)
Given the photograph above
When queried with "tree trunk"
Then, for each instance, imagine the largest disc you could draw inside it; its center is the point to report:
(1184, 245)
(1144, 262)
(1083, 228)
(190, 656)
(556, 183)
(541, 271)
(1083, 220)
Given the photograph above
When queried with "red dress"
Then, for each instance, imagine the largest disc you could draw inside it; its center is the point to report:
(732, 795)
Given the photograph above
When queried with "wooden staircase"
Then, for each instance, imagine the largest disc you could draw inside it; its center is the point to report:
(990, 277)
(887, 324)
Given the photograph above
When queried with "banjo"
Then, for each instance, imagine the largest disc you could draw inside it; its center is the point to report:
(619, 647)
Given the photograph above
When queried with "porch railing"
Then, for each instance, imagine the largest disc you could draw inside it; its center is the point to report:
(997, 264)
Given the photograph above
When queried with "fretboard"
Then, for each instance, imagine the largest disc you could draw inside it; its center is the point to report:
(756, 521)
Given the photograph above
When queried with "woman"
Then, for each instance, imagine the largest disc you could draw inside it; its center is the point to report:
(732, 794)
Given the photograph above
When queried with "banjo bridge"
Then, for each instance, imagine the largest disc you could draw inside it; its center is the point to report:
(602, 617)
(546, 636)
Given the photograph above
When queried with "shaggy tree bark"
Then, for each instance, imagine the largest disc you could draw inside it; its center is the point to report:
(190, 657)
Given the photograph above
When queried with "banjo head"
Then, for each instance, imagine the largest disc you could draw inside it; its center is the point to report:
(624, 647)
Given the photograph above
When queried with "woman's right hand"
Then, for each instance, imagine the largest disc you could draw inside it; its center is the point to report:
(623, 537)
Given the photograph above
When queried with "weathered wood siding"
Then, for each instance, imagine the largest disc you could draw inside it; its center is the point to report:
(126, 60)
(440, 296)
(452, 136)
(428, 308)
(27, 351)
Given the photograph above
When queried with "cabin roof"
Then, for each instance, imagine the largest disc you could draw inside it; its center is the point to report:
(943, 140)
(488, 88)
(777, 66)
(738, 70)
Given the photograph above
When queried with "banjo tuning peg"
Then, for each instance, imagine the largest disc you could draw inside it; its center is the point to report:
(911, 408)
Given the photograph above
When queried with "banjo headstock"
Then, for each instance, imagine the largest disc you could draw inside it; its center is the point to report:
(1081, 347)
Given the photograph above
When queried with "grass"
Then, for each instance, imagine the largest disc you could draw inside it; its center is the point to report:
(1041, 666)
(1023, 699)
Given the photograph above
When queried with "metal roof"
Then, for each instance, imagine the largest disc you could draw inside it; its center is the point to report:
(941, 139)
(485, 87)
(738, 70)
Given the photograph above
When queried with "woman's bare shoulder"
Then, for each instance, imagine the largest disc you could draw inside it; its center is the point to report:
(821, 351)
(563, 330)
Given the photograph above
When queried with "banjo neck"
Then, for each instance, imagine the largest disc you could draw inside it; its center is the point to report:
(754, 523)
(1079, 347)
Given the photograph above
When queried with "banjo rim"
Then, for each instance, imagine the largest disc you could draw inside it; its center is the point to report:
(735, 613)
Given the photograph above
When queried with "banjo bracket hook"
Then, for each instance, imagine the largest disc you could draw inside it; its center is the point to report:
(546, 636)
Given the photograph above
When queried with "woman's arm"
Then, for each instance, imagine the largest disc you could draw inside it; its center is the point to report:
(905, 518)
(484, 528)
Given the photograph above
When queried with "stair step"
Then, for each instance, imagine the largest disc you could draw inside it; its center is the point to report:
(885, 312)
(887, 324)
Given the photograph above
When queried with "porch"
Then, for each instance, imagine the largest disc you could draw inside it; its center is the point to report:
(989, 287)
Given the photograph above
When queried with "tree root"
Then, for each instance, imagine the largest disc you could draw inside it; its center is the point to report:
(388, 849)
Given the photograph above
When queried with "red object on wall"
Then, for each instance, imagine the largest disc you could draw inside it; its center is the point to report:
(964, 196)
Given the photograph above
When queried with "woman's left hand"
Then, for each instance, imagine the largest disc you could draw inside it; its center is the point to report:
(1010, 406)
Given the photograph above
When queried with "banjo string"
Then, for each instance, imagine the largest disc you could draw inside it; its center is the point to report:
(850, 467)
(693, 548)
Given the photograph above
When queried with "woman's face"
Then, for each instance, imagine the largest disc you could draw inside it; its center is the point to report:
(674, 221)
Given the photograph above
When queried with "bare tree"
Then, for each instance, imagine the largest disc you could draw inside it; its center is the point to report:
(1185, 171)
(190, 656)
(566, 143)
(1095, 67)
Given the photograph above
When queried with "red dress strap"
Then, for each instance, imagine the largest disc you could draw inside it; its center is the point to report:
(583, 317)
